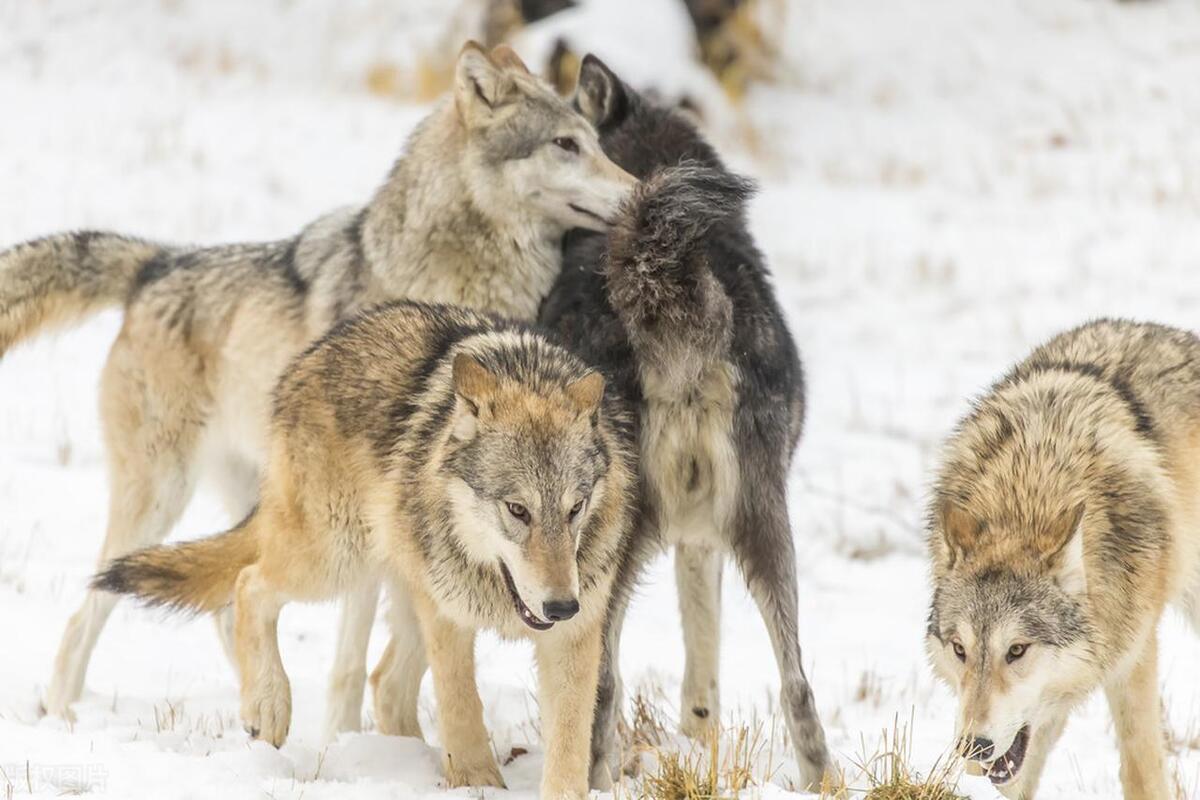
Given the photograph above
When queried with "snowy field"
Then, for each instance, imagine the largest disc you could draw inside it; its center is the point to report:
(945, 183)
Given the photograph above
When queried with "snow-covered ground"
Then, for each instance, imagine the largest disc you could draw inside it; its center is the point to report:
(945, 184)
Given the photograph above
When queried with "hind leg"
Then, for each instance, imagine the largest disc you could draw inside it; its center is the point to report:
(266, 692)
(396, 681)
(698, 579)
(237, 483)
(344, 701)
(763, 544)
(151, 437)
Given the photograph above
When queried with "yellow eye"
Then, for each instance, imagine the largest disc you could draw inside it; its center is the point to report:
(1015, 652)
(959, 651)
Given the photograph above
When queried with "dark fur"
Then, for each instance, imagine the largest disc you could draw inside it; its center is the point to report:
(680, 282)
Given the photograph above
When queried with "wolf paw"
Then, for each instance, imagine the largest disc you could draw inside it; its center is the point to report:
(478, 772)
(699, 717)
(268, 715)
(51, 707)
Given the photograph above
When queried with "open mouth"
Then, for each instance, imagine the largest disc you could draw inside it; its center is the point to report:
(1006, 767)
(592, 214)
(527, 616)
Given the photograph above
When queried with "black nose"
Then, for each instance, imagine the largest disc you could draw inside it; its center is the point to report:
(558, 610)
(977, 748)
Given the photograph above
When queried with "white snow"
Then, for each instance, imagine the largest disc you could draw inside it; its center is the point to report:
(945, 184)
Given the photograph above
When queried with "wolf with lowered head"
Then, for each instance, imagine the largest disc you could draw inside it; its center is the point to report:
(466, 459)
(1065, 518)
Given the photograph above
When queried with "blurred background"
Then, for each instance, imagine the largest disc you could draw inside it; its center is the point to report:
(943, 185)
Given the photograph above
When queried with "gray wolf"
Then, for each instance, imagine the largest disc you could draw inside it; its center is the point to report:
(1064, 519)
(472, 214)
(462, 456)
(676, 308)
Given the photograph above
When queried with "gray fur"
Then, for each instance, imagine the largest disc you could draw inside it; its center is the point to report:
(676, 306)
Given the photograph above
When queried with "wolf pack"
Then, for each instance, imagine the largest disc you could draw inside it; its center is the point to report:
(544, 351)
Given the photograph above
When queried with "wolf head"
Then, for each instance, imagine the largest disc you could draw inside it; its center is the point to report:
(527, 465)
(1008, 633)
(636, 133)
(525, 143)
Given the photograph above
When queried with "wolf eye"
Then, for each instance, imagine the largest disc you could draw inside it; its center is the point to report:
(959, 651)
(575, 509)
(519, 511)
(566, 143)
(1015, 652)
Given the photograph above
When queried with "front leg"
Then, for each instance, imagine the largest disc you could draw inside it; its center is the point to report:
(605, 768)
(469, 760)
(1137, 717)
(568, 671)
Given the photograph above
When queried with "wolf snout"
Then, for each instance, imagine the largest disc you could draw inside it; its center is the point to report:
(976, 748)
(560, 610)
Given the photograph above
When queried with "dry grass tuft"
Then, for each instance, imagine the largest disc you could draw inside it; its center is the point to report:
(723, 766)
(889, 774)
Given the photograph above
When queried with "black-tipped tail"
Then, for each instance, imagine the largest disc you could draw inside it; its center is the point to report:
(191, 577)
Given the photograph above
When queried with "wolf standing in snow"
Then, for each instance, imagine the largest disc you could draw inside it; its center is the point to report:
(472, 214)
(1065, 518)
(676, 305)
(464, 456)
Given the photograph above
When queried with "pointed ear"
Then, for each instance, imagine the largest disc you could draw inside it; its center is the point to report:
(1060, 545)
(473, 381)
(600, 96)
(586, 392)
(479, 83)
(959, 529)
(506, 58)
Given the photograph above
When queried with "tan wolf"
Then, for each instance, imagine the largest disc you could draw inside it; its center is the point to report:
(466, 458)
(472, 214)
(1065, 518)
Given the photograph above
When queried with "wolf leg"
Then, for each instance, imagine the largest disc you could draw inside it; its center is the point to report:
(343, 710)
(469, 760)
(1137, 717)
(266, 693)
(698, 579)
(151, 435)
(568, 669)
(396, 681)
(763, 545)
(237, 484)
(606, 763)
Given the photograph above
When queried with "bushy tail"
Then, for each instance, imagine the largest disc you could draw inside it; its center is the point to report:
(660, 279)
(59, 279)
(192, 576)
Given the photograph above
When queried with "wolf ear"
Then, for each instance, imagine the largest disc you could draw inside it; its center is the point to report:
(506, 58)
(959, 529)
(479, 83)
(1060, 544)
(586, 392)
(600, 96)
(474, 384)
